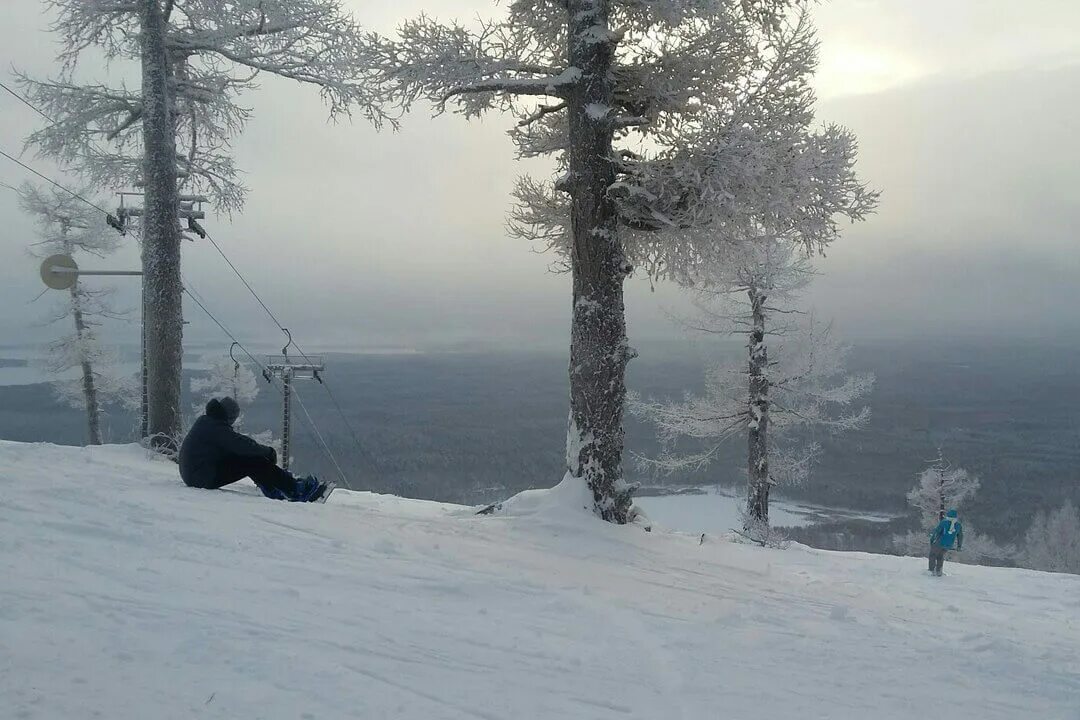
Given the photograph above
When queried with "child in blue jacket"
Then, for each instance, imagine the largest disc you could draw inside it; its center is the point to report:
(948, 534)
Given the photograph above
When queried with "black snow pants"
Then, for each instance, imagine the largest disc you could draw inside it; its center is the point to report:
(261, 471)
(937, 558)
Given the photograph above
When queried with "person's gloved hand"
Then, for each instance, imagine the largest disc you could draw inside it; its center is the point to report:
(273, 455)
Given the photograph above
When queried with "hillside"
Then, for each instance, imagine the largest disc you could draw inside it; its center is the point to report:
(472, 428)
(127, 595)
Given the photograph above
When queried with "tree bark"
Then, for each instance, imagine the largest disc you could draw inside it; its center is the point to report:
(93, 408)
(162, 284)
(598, 347)
(757, 503)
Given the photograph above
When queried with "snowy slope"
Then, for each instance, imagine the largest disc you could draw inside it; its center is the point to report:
(125, 595)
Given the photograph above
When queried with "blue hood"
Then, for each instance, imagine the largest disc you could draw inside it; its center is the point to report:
(952, 514)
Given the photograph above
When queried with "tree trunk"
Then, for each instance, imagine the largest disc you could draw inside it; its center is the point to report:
(598, 348)
(757, 503)
(162, 285)
(93, 409)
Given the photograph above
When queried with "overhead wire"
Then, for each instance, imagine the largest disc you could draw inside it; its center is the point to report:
(194, 295)
(201, 304)
(74, 194)
(26, 102)
(43, 114)
(245, 282)
(333, 398)
(318, 434)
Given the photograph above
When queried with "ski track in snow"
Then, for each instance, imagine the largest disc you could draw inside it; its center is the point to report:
(126, 595)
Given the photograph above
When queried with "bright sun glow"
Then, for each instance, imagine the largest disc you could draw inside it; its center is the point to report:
(852, 70)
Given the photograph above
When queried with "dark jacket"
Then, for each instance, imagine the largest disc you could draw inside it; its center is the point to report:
(210, 442)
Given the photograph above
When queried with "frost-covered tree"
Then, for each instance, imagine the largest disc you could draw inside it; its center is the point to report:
(225, 377)
(790, 384)
(979, 549)
(940, 487)
(659, 114)
(67, 226)
(1053, 541)
(197, 57)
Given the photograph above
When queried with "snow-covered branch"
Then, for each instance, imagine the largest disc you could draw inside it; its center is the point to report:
(939, 488)
(216, 51)
(791, 383)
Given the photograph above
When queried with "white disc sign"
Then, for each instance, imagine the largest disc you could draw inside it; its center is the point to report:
(59, 272)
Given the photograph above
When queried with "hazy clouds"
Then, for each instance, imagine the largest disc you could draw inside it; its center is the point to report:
(964, 115)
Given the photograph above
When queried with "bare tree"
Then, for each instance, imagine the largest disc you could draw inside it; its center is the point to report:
(650, 108)
(67, 226)
(196, 57)
(790, 384)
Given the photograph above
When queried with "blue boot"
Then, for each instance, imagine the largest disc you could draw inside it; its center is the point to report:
(271, 492)
(308, 488)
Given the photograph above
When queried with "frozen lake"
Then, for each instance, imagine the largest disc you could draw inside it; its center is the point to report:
(716, 510)
(33, 373)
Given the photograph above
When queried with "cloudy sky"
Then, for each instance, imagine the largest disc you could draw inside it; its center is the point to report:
(966, 113)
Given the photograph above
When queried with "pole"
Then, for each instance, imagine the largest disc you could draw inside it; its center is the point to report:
(62, 270)
(286, 430)
(281, 366)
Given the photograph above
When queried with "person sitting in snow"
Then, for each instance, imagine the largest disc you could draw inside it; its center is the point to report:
(214, 455)
(949, 532)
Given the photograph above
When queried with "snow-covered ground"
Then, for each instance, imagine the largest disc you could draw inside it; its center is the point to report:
(718, 510)
(124, 594)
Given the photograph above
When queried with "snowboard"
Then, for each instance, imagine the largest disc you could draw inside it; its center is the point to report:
(325, 494)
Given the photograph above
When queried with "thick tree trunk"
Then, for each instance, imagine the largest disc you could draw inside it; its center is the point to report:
(598, 348)
(162, 285)
(757, 502)
(93, 408)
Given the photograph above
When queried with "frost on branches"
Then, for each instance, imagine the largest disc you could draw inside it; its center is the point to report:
(939, 488)
(790, 385)
(1053, 541)
(659, 116)
(226, 377)
(67, 226)
(214, 52)
(173, 133)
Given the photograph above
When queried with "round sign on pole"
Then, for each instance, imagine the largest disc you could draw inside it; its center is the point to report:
(59, 272)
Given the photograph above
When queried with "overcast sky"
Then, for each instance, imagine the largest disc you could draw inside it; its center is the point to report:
(966, 112)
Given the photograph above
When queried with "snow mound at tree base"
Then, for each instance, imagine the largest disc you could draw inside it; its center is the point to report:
(124, 594)
(570, 499)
